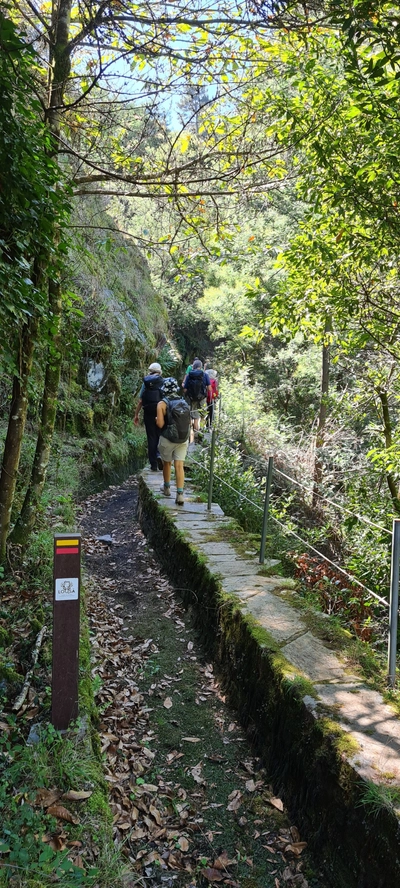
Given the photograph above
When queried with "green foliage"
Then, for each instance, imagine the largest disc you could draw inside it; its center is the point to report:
(30, 202)
(376, 798)
(24, 769)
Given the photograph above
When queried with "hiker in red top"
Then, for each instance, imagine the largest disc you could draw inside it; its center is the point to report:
(212, 395)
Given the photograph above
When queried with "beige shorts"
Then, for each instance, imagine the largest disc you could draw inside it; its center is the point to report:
(170, 451)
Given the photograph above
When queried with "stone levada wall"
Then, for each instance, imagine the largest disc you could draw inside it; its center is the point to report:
(304, 756)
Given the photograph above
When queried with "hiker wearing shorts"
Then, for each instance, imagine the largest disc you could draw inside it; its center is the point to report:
(173, 421)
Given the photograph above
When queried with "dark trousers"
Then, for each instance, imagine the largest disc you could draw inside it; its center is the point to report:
(153, 434)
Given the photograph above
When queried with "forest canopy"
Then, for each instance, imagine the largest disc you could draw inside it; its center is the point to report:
(220, 179)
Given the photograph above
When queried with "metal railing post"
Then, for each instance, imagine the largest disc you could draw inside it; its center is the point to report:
(211, 478)
(266, 507)
(394, 603)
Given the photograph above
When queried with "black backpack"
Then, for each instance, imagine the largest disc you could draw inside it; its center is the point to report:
(152, 391)
(196, 385)
(178, 420)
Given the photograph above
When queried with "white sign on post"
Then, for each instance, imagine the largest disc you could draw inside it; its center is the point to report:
(67, 589)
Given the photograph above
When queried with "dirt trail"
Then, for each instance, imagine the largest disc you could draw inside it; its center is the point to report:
(192, 806)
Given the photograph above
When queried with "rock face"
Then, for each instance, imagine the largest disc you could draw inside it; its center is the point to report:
(123, 327)
(330, 741)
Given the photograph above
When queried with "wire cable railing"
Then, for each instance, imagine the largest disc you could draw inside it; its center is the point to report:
(392, 604)
(320, 496)
(290, 531)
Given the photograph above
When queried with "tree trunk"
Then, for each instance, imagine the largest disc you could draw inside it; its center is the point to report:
(323, 413)
(26, 519)
(59, 72)
(15, 431)
(387, 431)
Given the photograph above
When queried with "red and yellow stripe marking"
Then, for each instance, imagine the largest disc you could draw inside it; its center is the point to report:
(67, 547)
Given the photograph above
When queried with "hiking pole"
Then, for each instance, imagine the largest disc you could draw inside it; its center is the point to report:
(394, 603)
(211, 479)
(266, 506)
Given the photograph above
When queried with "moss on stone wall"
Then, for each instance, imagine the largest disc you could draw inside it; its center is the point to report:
(307, 757)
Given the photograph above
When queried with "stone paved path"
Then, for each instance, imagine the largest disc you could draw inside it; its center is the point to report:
(360, 711)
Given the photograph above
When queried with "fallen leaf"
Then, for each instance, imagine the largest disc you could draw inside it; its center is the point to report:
(296, 848)
(196, 774)
(62, 813)
(156, 814)
(223, 861)
(235, 800)
(276, 803)
(167, 703)
(183, 843)
(212, 875)
(250, 786)
(192, 739)
(46, 797)
(76, 795)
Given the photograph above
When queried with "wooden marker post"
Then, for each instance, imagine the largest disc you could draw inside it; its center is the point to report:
(66, 602)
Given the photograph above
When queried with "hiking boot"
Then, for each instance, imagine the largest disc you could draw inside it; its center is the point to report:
(153, 468)
(160, 463)
(165, 490)
(179, 499)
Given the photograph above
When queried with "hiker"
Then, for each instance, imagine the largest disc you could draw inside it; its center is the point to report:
(196, 385)
(173, 420)
(212, 395)
(149, 396)
(189, 368)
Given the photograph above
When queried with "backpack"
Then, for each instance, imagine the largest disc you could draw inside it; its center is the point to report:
(196, 385)
(152, 391)
(178, 421)
(213, 394)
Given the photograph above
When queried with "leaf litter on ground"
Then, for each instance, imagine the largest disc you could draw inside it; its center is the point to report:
(159, 823)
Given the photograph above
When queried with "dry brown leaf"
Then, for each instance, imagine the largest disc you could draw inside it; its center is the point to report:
(222, 861)
(57, 843)
(183, 843)
(250, 786)
(167, 703)
(46, 797)
(76, 795)
(296, 848)
(235, 800)
(156, 814)
(276, 803)
(196, 773)
(212, 875)
(79, 862)
(62, 813)
(145, 787)
(138, 833)
(192, 739)
(294, 832)
(174, 862)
